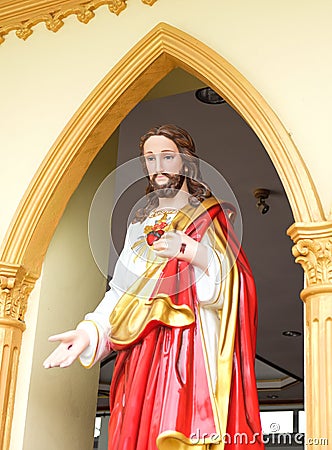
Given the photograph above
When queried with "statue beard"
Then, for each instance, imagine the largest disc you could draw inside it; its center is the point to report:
(168, 189)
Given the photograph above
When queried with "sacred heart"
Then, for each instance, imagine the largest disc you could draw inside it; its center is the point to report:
(153, 236)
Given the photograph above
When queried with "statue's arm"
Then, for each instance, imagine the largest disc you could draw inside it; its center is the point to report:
(89, 341)
(96, 324)
(209, 283)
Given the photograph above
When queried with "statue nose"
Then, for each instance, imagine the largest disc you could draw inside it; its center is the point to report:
(159, 165)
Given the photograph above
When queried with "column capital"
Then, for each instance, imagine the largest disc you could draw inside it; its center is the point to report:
(15, 287)
(313, 250)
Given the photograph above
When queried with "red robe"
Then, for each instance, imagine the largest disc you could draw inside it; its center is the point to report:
(161, 396)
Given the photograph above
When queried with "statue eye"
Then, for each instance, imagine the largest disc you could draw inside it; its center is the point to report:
(150, 158)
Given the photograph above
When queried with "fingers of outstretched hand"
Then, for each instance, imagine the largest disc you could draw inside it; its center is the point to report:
(59, 356)
(68, 361)
(63, 337)
(66, 353)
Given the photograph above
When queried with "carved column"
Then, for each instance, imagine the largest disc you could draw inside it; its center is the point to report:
(313, 250)
(15, 287)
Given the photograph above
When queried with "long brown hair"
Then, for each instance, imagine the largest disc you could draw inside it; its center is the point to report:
(198, 190)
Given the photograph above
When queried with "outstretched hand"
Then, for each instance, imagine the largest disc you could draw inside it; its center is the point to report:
(73, 343)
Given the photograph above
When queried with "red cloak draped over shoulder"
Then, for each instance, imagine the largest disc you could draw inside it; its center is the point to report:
(161, 395)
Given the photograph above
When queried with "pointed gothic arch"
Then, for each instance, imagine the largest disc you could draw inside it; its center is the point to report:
(159, 52)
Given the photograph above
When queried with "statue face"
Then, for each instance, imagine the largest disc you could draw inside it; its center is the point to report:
(162, 157)
(164, 164)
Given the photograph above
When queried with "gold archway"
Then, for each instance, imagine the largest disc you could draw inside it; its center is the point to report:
(160, 51)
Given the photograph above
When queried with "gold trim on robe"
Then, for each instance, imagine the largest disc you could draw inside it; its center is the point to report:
(136, 313)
